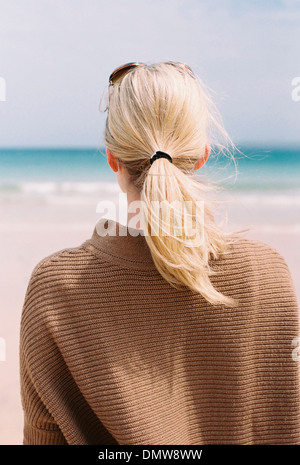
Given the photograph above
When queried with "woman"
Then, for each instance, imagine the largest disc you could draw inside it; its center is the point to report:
(169, 331)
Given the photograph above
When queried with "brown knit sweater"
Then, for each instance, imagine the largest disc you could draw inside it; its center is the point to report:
(110, 353)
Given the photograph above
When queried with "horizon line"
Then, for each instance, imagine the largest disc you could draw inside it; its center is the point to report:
(264, 145)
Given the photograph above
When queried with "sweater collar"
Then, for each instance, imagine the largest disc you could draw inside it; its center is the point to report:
(120, 244)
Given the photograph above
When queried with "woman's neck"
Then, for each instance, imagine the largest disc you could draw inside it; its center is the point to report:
(134, 210)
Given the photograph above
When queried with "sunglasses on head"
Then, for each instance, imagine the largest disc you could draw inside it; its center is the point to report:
(120, 72)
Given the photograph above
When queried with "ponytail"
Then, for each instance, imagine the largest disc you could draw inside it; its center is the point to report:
(163, 107)
(180, 231)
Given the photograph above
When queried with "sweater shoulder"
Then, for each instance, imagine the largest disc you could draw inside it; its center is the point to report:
(261, 259)
(51, 274)
(64, 259)
(255, 248)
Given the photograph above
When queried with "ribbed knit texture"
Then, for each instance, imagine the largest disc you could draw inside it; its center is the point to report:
(110, 353)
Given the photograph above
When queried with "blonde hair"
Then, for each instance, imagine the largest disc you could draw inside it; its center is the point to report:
(165, 107)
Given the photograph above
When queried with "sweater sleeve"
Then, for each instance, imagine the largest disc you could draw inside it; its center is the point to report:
(40, 428)
(56, 410)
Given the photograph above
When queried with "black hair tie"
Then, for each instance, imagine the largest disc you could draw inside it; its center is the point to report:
(160, 154)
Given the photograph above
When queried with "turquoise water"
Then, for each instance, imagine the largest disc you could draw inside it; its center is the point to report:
(262, 169)
(263, 184)
(27, 165)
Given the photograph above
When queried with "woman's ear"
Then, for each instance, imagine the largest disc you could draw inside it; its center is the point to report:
(202, 160)
(112, 160)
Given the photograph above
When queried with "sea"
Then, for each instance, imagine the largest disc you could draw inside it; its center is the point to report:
(259, 185)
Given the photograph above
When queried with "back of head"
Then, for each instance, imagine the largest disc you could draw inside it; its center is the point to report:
(164, 107)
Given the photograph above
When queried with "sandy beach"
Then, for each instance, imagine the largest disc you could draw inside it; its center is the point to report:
(30, 232)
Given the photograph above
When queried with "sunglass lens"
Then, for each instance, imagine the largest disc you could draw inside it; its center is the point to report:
(121, 71)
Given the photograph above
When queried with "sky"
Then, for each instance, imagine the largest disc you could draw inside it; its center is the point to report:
(56, 56)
